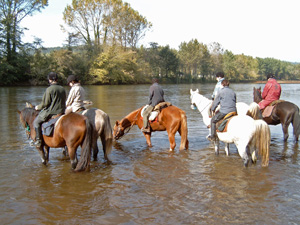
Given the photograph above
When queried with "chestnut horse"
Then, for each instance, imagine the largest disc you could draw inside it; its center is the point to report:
(70, 130)
(171, 119)
(285, 113)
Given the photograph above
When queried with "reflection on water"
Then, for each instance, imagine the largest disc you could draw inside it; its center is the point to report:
(146, 185)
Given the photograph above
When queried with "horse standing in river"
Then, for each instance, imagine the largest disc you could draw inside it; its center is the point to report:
(72, 130)
(247, 134)
(285, 113)
(101, 129)
(170, 119)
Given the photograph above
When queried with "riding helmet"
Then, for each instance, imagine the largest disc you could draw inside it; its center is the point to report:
(52, 76)
(71, 78)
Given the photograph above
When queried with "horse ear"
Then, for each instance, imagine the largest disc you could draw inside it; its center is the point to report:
(29, 105)
(117, 123)
(197, 90)
(191, 91)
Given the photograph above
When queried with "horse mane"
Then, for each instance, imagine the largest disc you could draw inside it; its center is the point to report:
(256, 95)
(133, 116)
(29, 114)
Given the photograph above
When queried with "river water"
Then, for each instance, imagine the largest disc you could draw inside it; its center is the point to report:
(146, 185)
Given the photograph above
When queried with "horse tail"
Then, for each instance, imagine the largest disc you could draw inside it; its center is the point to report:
(184, 144)
(262, 140)
(296, 124)
(85, 158)
(254, 111)
(108, 136)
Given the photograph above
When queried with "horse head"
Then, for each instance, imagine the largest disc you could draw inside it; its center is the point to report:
(192, 97)
(257, 94)
(118, 131)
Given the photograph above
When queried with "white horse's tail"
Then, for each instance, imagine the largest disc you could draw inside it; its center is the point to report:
(254, 111)
(262, 140)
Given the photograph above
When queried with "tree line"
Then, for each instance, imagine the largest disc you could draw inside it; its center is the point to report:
(103, 48)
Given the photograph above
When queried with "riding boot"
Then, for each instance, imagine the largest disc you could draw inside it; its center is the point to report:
(38, 138)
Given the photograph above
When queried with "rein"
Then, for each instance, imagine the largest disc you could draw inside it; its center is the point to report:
(205, 107)
(126, 130)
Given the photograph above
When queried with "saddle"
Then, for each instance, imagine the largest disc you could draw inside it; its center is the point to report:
(269, 109)
(223, 123)
(48, 126)
(157, 109)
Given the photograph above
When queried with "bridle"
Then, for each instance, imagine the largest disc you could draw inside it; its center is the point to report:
(127, 129)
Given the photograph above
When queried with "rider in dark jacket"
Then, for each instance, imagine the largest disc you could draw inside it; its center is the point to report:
(53, 103)
(227, 100)
(156, 95)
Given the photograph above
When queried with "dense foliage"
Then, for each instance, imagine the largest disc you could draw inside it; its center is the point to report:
(102, 48)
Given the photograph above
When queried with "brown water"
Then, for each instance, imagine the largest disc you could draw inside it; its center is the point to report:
(146, 185)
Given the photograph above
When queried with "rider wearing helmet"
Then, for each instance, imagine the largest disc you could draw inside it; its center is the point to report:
(53, 103)
(76, 95)
(271, 92)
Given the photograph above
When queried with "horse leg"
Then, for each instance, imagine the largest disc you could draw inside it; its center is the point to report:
(227, 148)
(285, 131)
(172, 141)
(65, 151)
(243, 150)
(217, 146)
(95, 148)
(47, 148)
(73, 157)
(42, 154)
(148, 139)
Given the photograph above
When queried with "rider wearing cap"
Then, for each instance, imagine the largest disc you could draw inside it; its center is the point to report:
(271, 92)
(76, 95)
(53, 103)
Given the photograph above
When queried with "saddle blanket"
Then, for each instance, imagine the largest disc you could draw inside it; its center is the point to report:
(156, 110)
(48, 127)
(269, 109)
(222, 124)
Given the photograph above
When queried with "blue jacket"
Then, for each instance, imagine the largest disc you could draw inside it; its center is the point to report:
(227, 100)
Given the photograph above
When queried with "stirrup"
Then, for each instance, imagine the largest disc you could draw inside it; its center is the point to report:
(38, 143)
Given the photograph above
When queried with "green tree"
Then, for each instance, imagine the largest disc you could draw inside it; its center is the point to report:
(115, 66)
(12, 12)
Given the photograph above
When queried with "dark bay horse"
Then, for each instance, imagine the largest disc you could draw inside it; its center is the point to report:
(285, 113)
(170, 119)
(72, 130)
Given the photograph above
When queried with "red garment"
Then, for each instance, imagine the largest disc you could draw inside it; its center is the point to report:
(272, 92)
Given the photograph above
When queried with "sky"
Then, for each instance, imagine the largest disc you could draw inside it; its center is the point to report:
(258, 28)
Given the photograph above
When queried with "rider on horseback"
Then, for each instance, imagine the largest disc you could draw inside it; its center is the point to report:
(53, 103)
(76, 95)
(227, 100)
(156, 95)
(271, 92)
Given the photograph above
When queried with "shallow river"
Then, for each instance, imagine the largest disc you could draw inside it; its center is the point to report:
(146, 185)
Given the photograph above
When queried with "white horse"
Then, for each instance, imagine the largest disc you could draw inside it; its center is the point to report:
(247, 134)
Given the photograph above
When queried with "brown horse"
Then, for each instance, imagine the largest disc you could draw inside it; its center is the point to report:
(70, 130)
(171, 119)
(285, 113)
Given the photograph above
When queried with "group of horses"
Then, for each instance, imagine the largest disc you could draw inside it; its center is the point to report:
(248, 130)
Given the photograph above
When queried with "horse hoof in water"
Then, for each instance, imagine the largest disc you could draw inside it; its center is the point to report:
(246, 162)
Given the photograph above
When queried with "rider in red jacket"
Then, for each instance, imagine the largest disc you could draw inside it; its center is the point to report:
(272, 91)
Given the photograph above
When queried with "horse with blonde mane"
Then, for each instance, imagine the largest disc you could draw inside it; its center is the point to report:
(251, 137)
